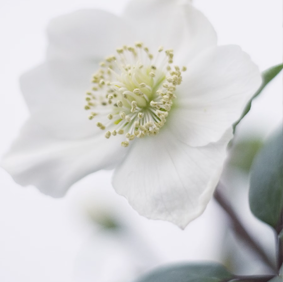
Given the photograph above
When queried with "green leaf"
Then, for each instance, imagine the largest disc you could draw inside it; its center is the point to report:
(206, 272)
(276, 279)
(266, 184)
(243, 153)
(267, 76)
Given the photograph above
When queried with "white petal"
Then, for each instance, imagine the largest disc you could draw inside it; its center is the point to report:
(91, 34)
(213, 94)
(58, 99)
(163, 178)
(54, 165)
(172, 23)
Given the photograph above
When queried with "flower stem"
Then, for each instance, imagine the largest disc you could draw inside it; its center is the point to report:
(279, 232)
(253, 278)
(280, 253)
(240, 230)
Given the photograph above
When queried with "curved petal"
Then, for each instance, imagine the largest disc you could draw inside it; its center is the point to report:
(164, 178)
(173, 23)
(91, 34)
(57, 98)
(53, 165)
(214, 92)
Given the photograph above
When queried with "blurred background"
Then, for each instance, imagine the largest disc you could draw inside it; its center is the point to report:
(93, 234)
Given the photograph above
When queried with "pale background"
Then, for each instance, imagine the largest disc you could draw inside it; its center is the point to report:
(48, 240)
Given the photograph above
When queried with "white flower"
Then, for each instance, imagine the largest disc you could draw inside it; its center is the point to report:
(180, 120)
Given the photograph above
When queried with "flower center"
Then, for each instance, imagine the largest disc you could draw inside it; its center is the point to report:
(133, 92)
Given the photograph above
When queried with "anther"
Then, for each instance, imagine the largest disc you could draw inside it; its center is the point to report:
(125, 144)
(121, 78)
(120, 104)
(121, 131)
(122, 115)
(107, 134)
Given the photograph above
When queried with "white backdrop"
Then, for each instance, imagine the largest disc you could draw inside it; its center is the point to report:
(43, 239)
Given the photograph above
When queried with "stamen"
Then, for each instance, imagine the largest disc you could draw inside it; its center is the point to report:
(135, 90)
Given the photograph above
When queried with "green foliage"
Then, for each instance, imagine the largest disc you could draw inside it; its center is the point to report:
(266, 185)
(276, 279)
(243, 152)
(205, 272)
(267, 76)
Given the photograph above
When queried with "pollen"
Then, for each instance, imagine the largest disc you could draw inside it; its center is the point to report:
(133, 92)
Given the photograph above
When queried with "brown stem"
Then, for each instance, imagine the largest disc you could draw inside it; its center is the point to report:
(280, 243)
(280, 253)
(241, 231)
(253, 278)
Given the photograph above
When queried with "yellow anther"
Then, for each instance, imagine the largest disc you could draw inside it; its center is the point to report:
(119, 50)
(122, 115)
(138, 92)
(125, 144)
(120, 104)
(100, 125)
(134, 106)
(108, 134)
(138, 44)
(119, 78)
(121, 131)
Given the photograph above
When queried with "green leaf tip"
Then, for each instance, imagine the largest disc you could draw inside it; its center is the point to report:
(189, 272)
(267, 76)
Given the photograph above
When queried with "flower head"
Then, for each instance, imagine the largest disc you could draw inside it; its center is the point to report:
(171, 107)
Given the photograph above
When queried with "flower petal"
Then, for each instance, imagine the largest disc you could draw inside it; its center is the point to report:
(57, 99)
(164, 178)
(54, 165)
(90, 34)
(213, 94)
(173, 23)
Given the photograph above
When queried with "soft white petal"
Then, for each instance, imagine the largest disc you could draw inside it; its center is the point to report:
(164, 178)
(172, 23)
(54, 165)
(58, 98)
(213, 94)
(90, 34)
